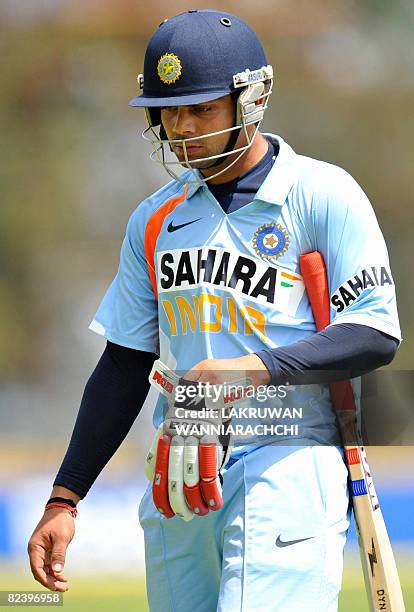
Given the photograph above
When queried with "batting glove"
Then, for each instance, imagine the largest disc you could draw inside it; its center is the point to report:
(188, 451)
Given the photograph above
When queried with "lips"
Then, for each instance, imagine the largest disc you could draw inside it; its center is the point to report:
(190, 149)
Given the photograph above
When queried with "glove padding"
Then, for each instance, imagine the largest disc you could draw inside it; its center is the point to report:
(185, 460)
(185, 469)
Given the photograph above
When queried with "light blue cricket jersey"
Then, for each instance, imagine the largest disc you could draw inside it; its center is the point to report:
(196, 283)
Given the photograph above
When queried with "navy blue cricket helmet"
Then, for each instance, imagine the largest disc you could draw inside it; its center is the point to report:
(198, 56)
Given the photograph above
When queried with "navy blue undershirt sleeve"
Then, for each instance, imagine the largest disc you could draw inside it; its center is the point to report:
(113, 397)
(339, 352)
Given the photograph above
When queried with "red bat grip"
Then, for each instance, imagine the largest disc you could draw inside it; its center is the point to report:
(313, 270)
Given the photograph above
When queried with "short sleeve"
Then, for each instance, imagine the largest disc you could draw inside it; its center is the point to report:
(128, 313)
(348, 236)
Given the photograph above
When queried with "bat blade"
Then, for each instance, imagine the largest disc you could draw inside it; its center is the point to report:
(378, 563)
(377, 558)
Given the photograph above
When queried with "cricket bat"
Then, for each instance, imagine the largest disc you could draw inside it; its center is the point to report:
(380, 571)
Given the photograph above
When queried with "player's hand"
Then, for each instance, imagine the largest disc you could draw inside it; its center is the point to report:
(47, 548)
(219, 371)
(189, 449)
(184, 469)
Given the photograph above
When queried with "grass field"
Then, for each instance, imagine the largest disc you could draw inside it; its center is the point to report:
(126, 594)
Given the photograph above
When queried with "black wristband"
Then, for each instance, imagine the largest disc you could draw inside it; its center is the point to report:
(63, 500)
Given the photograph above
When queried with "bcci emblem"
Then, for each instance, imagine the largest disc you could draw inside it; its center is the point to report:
(169, 68)
(271, 241)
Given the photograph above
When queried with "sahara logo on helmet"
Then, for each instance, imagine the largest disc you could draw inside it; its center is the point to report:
(169, 68)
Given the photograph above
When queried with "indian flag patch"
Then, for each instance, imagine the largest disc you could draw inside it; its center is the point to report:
(291, 290)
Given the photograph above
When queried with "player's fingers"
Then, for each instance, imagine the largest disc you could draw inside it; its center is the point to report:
(51, 582)
(49, 571)
(58, 555)
(192, 489)
(160, 481)
(37, 555)
(57, 576)
(39, 568)
(191, 375)
(149, 467)
(209, 481)
(48, 568)
(176, 480)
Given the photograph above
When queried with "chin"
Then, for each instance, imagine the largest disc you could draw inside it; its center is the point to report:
(196, 165)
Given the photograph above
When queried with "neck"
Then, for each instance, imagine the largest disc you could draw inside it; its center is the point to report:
(248, 160)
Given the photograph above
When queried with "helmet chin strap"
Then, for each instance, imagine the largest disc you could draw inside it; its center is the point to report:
(163, 134)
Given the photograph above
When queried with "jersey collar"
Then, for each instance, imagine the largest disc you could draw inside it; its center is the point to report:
(278, 182)
(282, 175)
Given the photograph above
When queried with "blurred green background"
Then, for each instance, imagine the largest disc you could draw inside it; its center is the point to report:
(74, 167)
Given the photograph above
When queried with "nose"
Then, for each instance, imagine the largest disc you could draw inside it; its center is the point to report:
(184, 124)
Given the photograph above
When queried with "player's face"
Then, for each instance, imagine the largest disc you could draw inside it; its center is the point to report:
(183, 122)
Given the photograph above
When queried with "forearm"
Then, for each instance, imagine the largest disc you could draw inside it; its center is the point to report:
(339, 352)
(112, 399)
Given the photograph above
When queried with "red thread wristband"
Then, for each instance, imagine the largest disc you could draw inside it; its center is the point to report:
(73, 511)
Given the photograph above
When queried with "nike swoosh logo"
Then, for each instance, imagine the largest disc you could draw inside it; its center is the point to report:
(174, 228)
(281, 544)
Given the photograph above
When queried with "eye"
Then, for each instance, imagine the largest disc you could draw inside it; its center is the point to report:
(203, 109)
